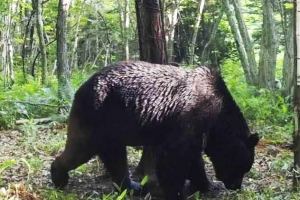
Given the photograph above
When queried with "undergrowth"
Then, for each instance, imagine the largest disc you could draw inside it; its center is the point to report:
(29, 100)
(266, 111)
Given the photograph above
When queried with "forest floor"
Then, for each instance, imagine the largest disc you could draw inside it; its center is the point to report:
(26, 155)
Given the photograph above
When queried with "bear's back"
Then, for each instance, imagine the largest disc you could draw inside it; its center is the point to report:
(156, 91)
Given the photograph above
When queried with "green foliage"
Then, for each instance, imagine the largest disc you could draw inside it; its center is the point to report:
(29, 99)
(266, 110)
(51, 194)
(52, 144)
(7, 164)
(145, 180)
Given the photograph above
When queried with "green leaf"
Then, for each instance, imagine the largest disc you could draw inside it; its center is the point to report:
(18, 40)
(7, 164)
(288, 5)
(145, 180)
(117, 187)
(122, 195)
(47, 28)
(284, 108)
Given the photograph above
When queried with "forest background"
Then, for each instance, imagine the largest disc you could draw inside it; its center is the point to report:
(250, 42)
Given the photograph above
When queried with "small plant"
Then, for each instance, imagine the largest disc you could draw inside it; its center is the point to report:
(7, 164)
(53, 194)
(35, 164)
(52, 143)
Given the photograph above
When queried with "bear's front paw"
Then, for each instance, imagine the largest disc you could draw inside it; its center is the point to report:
(216, 186)
(137, 188)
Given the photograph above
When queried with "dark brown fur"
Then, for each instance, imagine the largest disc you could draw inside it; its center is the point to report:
(138, 103)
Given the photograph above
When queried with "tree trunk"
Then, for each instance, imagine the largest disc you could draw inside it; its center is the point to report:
(7, 47)
(126, 29)
(73, 64)
(65, 90)
(196, 27)
(107, 55)
(246, 40)
(296, 138)
(239, 42)
(268, 48)
(37, 5)
(121, 16)
(152, 46)
(206, 49)
(171, 21)
(27, 23)
(288, 60)
(152, 41)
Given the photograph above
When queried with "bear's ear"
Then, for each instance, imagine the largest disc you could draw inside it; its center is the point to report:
(253, 140)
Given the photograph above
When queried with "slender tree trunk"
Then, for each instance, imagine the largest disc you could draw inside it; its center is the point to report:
(206, 49)
(196, 28)
(26, 50)
(126, 29)
(37, 5)
(122, 20)
(171, 21)
(296, 138)
(65, 90)
(107, 52)
(31, 51)
(288, 60)
(73, 64)
(7, 47)
(246, 40)
(269, 46)
(229, 10)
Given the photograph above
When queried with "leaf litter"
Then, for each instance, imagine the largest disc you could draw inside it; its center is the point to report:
(25, 162)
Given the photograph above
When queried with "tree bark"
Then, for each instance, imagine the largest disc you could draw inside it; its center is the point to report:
(7, 47)
(126, 29)
(28, 22)
(171, 21)
(73, 64)
(288, 60)
(296, 138)
(152, 46)
(65, 90)
(229, 10)
(152, 41)
(121, 18)
(196, 28)
(37, 5)
(246, 40)
(269, 46)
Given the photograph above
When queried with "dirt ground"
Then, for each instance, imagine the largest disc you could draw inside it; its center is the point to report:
(27, 161)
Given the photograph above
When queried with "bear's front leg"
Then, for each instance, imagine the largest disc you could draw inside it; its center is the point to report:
(173, 163)
(198, 178)
(114, 157)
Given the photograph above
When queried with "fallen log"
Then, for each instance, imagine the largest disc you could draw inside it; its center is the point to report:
(35, 121)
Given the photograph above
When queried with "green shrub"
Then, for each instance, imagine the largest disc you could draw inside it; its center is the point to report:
(266, 110)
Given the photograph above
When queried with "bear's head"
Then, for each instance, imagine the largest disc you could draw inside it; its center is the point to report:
(232, 158)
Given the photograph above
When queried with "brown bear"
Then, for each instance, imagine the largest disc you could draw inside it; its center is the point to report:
(173, 109)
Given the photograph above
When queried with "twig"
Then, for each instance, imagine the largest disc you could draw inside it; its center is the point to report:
(34, 104)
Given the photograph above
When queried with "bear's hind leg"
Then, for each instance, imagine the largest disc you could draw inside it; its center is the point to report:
(114, 157)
